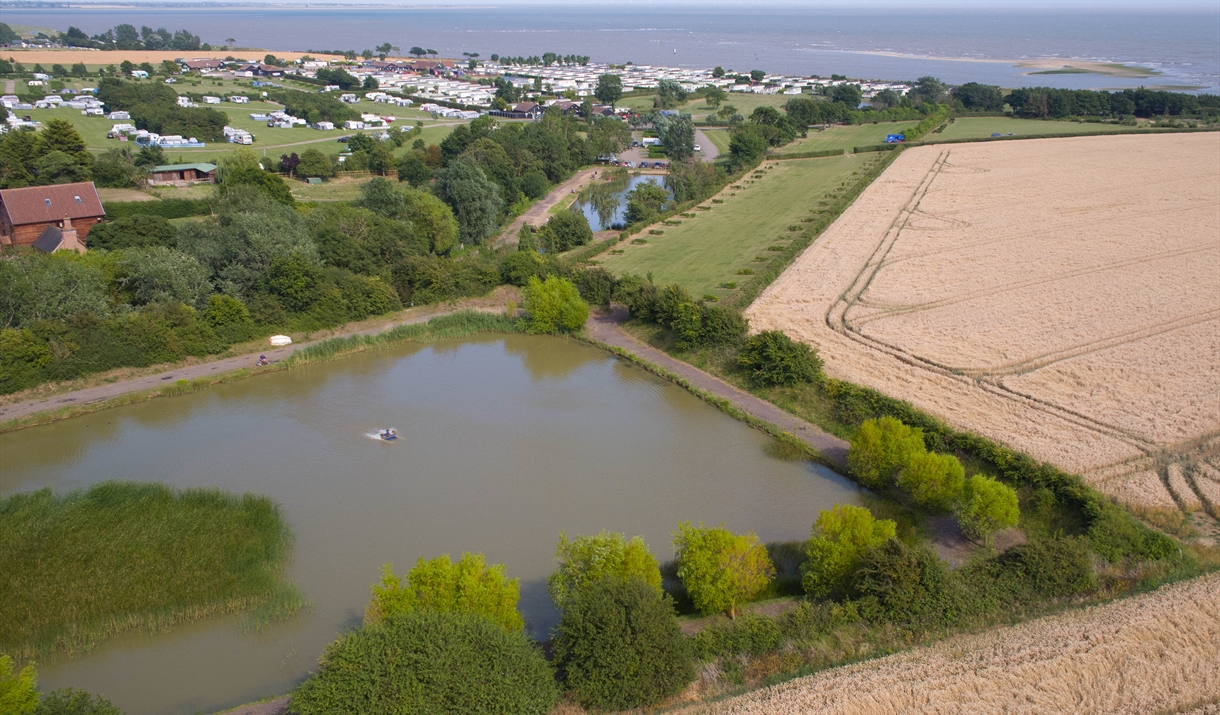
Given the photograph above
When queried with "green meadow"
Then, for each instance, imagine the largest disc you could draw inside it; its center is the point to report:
(844, 137)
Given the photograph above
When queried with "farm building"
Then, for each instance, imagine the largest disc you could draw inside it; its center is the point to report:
(179, 174)
(27, 214)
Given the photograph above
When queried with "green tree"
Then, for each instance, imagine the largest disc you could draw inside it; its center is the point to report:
(162, 275)
(116, 170)
(588, 559)
(719, 569)
(36, 288)
(757, 75)
(934, 481)
(644, 202)
(534, 184)
(474, 198)
(314, 164)
(432, 220)
(57, 167)
(61, 135)
(771, 358)
(19, 690)
(414, 169)
(469, 586)
(229, 317)
(907, 586)
(669, 94)
(746, 146)
(718, 72)
(75, 702)
(848, 94)
(679, 139)
(714, 95)
(567, 230)
(986, 507)
(609, 135)
(880, 448)
(841, 536)
(423, 662)
(270, 184)
(554, 306)
(22, 357)
(609, 89)
(619, 646)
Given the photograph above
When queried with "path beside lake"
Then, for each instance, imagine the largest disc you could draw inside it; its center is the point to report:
(607, 329)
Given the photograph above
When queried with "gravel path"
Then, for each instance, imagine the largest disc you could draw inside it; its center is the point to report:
(709, 152)
(537, 214)
(606, 329)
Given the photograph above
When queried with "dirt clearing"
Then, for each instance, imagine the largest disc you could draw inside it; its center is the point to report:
(1058, 295)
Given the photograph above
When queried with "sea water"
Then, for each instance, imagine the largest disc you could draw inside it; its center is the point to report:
(883, 43)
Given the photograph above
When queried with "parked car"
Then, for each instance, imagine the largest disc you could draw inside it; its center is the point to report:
(635, 143)
(698, 148)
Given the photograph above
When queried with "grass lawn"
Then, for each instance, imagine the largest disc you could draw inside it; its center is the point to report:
(341, 189)
(845, 137)
(743, 101)
(108, 195)
(83, 566)
(707, 250)
(982, 127)
(719, 137)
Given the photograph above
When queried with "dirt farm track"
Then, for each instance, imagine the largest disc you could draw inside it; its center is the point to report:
(1058, 295)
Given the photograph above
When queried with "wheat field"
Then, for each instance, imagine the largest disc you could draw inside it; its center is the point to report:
(1061, 296)
(1154, 653)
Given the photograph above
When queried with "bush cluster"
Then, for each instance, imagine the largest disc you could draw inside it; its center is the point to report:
(885, 453)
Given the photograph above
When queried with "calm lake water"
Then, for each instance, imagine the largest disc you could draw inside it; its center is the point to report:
(506, 440)
(617, 216)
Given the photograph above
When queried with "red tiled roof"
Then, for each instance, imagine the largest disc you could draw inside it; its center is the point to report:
(30, 205)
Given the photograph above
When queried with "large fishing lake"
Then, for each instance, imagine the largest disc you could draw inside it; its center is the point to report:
(506, 441)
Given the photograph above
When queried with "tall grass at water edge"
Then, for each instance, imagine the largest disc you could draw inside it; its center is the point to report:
(84, 566)
(454, 325)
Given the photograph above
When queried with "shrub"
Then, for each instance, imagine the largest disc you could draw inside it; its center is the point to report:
(554, 305)
(429, 663)
(229, 317)
(720, 569)
(567, 230)
(750, 634)
(18, 691)
(590, 558)
(618, 646)
(1051, 568)
(534, 184)
(986, 507)
(363, 296)
(135, 231)
(771, 359)
(841, 536)
(469, 586)
(908, 586)
(933, 480)
(722, 326)
(74, 702)
(519, 267)
(880, 448)
(596, 284)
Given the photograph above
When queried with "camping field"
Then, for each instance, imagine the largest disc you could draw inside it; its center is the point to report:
(1058, 295)
(274, 141)
(708, 250)
(845, 137)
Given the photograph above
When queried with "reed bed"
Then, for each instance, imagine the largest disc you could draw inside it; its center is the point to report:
(1153, 653)
(83, 566)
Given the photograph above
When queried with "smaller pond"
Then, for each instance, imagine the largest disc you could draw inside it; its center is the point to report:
(604, 203)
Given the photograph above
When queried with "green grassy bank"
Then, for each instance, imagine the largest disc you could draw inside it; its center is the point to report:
(84, 566)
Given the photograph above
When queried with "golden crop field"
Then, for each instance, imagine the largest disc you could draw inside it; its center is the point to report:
(1061, 296)
(1154, 653)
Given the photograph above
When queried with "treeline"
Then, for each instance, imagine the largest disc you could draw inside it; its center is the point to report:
(545, 60)
(126, 37)
(1051, 103)
(154, 107)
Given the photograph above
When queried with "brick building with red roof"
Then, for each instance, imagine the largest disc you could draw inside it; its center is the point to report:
(26, 213)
